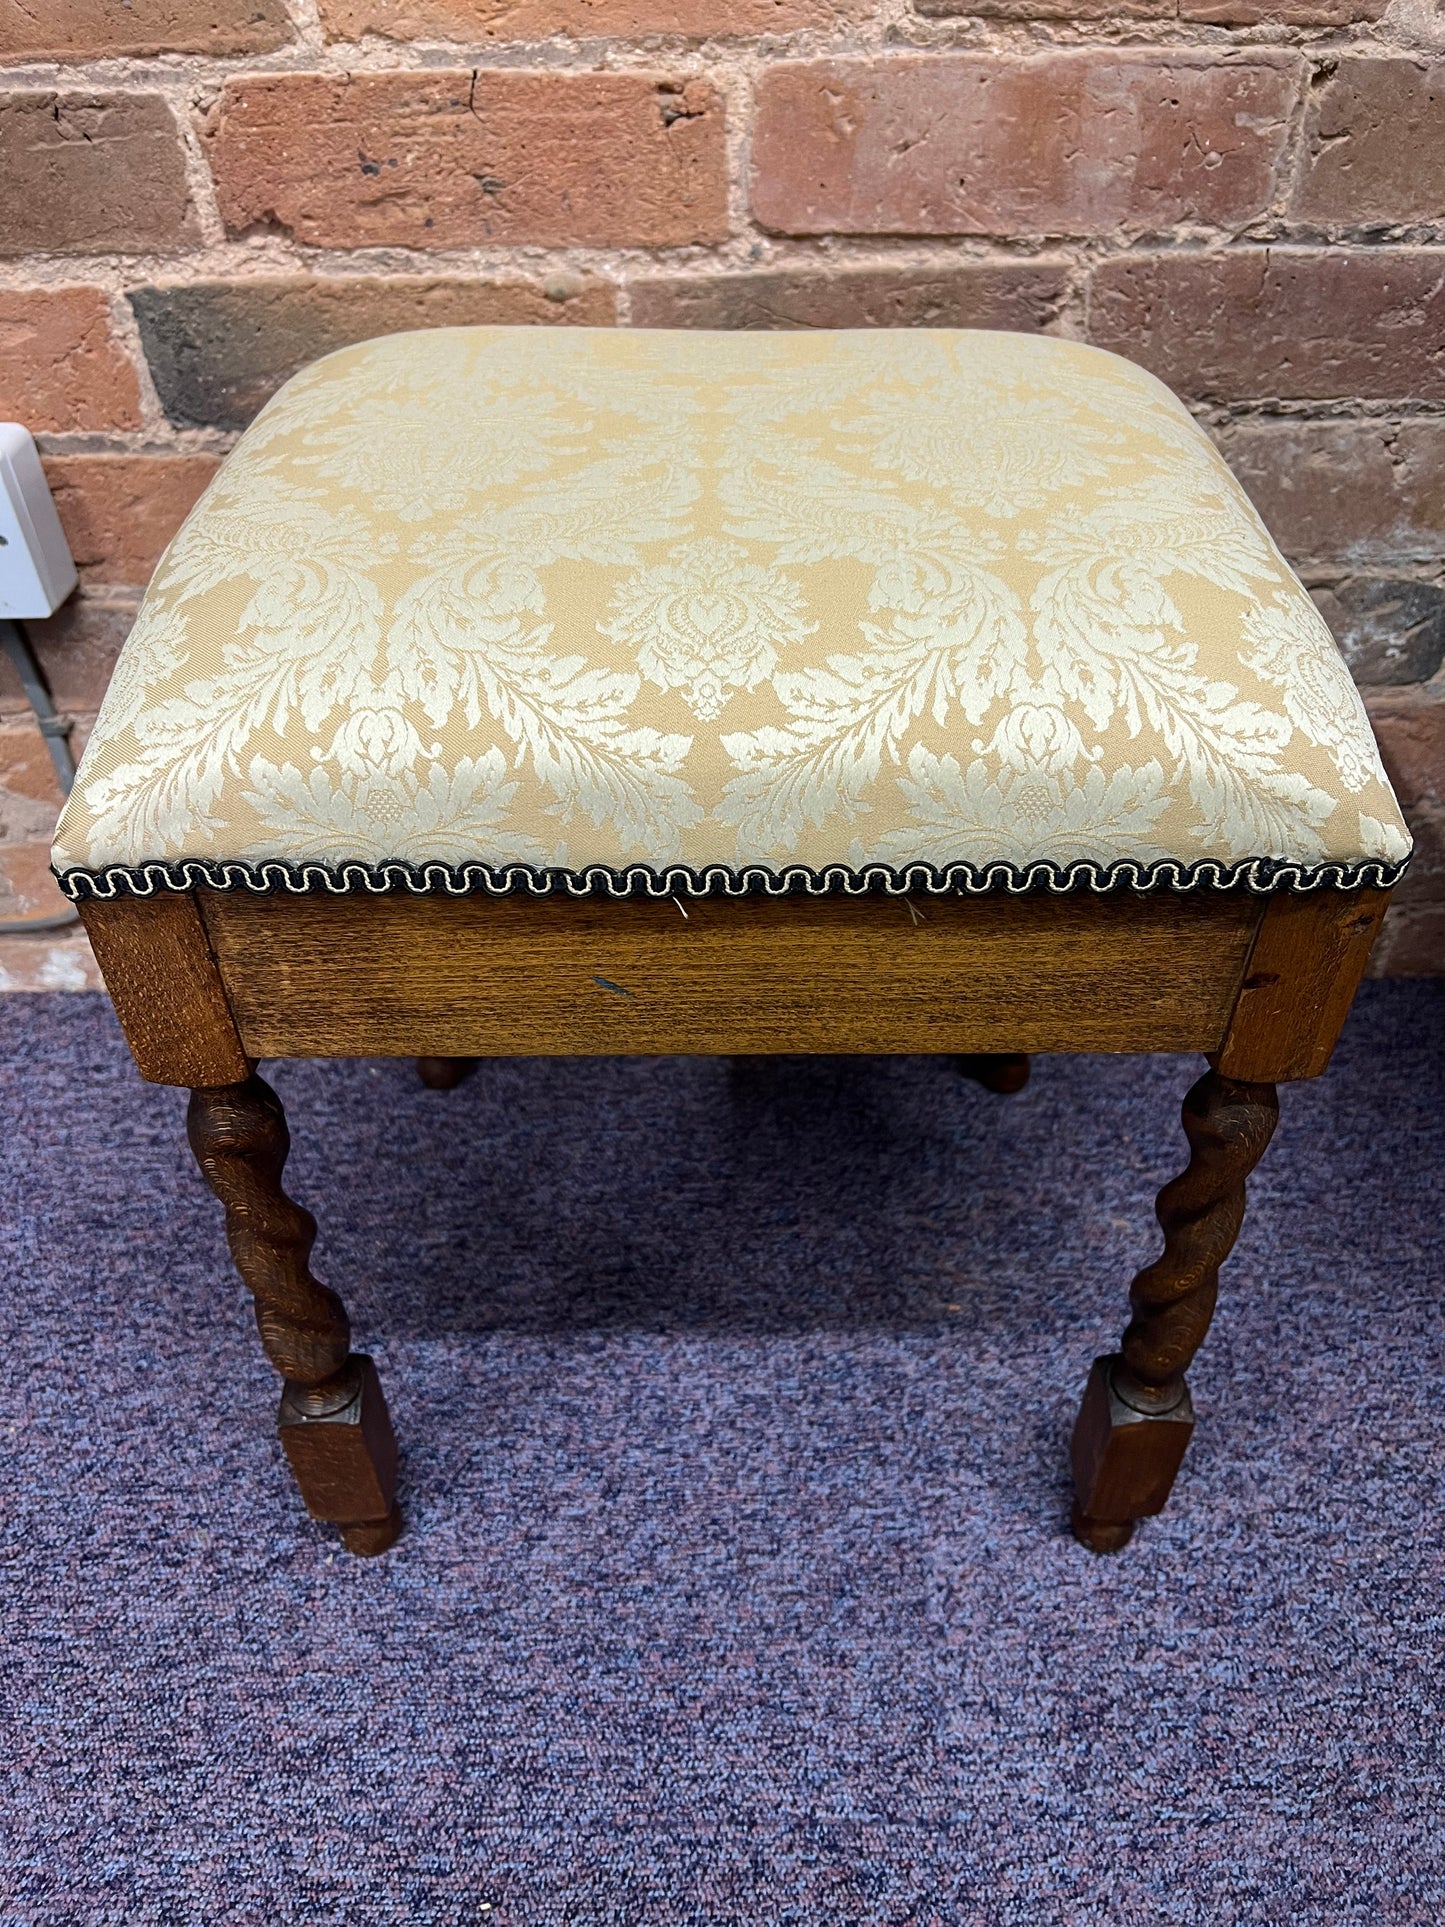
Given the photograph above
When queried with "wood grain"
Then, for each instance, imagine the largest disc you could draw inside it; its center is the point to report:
(333, 1420)
(1304, 970)
(240, 1140)
(344, 1459)
(469, 977)
(157, 963)
(1228, 1124)
(1136, 1418)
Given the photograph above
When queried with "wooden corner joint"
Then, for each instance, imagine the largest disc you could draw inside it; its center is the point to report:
(1300, 979)
(167, 988)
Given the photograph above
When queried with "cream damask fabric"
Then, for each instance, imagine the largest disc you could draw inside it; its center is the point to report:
(493, 607)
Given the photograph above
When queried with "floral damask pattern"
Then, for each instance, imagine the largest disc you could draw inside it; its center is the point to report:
(707, 621)
(532, 603)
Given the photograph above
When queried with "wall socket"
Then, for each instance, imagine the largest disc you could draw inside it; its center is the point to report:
(36, 572)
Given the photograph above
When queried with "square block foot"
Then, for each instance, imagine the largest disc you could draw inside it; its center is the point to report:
(1125, 1462)
(373, 1535)
(344, 1461)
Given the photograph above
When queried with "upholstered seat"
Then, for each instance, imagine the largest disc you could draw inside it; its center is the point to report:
(489, 608)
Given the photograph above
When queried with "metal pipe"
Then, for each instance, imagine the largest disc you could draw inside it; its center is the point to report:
(56, 731)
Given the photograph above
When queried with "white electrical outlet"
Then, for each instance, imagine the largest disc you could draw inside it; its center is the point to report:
(36, 572)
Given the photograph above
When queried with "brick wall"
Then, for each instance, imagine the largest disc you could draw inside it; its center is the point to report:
(1248, 196)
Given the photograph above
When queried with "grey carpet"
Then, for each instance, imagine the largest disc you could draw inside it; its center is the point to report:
(737, 1588)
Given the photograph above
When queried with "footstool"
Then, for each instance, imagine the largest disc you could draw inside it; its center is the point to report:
(593, 692)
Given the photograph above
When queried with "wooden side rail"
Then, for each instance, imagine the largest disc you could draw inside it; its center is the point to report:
(474, 976)
(204, 982)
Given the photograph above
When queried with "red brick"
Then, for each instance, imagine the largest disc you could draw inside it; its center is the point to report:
(1062, 143)
(219, 349)
(427, 159)
(1419, 896)
(91, 174)
(473, 20)
(1375, 144)
(77, 649)
(63, 961)
(1425, 883)
(95, 29)
(1282, 323)
(120, 511)
(29, 804)
(1287, 13)
(61, 367)
(29, 793)
(1410, 727)
(27, 889)
(1220, 13)
(1412, 943)
(1390, 628)
(972, 295)
(1362, 494)
(30, 801)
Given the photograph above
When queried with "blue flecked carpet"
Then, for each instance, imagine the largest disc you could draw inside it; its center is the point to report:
(734, 1402)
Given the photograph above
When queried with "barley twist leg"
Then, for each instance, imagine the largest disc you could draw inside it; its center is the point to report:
(1002, 1071)
(1136, 1418)
(445, 1073)
(333, 1420)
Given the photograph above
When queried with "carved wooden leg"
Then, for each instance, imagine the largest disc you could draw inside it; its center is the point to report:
(1001, 1071)
(1136, 1418)
(445, 1073)
(333, 1420)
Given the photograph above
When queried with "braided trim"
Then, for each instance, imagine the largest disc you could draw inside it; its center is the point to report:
(273, 876)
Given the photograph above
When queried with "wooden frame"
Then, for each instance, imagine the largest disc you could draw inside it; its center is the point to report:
(205, 982)
(204, 979)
